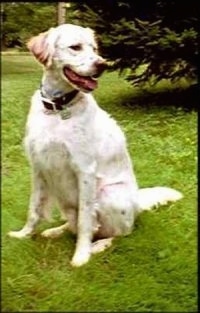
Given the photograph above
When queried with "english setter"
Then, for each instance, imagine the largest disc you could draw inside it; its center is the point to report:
(77, 152)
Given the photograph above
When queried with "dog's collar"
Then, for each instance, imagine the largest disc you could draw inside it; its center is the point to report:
(60, 103)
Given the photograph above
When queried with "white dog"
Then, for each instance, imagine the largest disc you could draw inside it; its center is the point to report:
(77, 151)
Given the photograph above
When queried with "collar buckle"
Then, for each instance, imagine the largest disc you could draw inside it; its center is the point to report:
(54, 107)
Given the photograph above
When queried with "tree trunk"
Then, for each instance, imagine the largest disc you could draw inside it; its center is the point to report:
(61, 12)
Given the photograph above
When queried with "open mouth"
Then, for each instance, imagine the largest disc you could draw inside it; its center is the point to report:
(88, 83)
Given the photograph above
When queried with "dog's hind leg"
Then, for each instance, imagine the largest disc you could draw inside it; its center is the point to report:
(37, 209)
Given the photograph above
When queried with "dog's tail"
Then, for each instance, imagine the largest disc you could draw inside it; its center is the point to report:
(155, 196)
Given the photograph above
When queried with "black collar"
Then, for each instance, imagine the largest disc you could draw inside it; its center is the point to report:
(58, 103)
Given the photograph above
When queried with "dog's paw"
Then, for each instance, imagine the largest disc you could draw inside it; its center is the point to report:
(55, 232)
(18, 234)
(80, 257)
(51, 233)
(101, 245)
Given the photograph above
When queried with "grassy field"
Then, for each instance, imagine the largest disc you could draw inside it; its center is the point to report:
(152, 270)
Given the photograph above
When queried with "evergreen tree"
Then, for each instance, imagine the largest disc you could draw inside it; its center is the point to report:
(160, 34)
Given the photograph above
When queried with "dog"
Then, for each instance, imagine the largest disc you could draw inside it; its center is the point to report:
(78, 153)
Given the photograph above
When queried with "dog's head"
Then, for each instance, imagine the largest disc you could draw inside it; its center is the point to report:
(71, 52)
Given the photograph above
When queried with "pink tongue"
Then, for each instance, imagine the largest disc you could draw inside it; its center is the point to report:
(85, 82)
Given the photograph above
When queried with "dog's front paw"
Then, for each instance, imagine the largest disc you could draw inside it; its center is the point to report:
(81, 257)
(19, 234)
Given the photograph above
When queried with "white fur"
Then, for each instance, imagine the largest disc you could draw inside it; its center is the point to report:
(82, 162)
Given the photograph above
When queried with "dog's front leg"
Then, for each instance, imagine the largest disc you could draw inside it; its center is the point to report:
(87, 193)
(38, 200)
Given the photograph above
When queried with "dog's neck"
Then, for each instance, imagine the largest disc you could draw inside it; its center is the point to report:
(53, 86)
(57, 96)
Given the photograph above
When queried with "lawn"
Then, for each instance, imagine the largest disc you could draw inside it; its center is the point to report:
(152, 270)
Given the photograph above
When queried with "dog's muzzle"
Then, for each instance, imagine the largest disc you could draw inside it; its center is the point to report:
(100, 67)
(86, 83)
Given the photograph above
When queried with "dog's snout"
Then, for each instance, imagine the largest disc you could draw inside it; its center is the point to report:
(100, 66)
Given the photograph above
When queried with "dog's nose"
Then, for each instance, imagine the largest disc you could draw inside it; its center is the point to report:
(100, 66)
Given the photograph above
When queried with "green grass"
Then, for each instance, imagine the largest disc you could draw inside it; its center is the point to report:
(152, 270)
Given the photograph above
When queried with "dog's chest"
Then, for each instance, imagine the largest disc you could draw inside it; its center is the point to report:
(51, 151)
(55, 145)
(47, 154)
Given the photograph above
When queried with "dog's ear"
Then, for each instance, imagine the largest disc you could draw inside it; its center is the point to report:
(40, 48)
(92, 33)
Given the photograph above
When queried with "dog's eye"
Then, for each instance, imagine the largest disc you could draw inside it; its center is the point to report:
(76, 47)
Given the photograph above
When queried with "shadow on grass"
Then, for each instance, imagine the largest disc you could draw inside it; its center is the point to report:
(185, 98)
